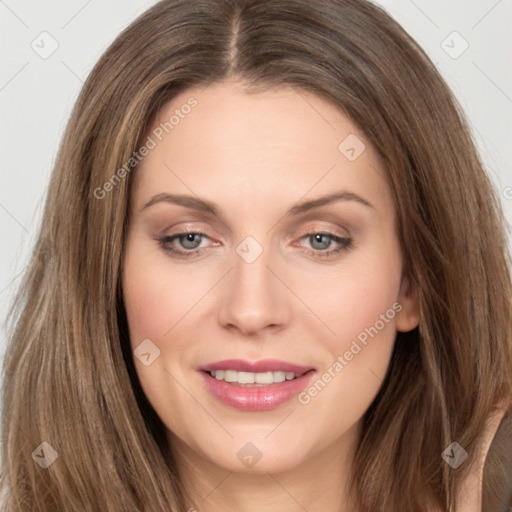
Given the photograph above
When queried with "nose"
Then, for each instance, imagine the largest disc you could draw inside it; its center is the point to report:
(253, 300)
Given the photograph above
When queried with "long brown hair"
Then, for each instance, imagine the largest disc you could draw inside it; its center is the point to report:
(69, 379)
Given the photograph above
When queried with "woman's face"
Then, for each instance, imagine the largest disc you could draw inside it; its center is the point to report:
(262, 276)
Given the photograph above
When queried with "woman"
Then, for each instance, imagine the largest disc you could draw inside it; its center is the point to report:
(185, 341)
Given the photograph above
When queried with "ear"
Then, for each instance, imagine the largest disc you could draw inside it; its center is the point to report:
(409, 315)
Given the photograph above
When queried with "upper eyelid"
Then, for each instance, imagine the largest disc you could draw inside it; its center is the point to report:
(200, 231)
(341, 225)
(320, 214)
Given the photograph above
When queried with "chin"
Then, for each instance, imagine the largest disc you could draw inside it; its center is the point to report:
(256, 456)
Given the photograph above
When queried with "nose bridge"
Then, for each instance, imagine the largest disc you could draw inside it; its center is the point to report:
(252, 298)
(250, 272)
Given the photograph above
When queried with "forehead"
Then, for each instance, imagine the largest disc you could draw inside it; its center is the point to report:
(281, 142)
(226, 115)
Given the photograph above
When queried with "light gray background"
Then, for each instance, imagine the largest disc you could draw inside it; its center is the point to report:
(36, 93)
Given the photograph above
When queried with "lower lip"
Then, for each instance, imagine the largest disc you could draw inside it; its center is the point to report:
(257, 398)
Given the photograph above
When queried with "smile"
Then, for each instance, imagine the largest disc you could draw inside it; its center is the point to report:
(234, 384)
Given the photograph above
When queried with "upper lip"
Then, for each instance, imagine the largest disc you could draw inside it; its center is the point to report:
(261, 366)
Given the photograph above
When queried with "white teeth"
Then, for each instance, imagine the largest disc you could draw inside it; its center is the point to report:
(245, 377)
(253, 378)
(230, 376)
(265, 378)
(281, 376)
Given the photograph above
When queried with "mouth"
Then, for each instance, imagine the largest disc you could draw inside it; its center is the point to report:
(255, 386)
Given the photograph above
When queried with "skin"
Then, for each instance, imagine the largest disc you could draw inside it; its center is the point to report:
(256, 156)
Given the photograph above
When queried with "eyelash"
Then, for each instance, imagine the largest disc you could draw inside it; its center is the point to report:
(344, 244)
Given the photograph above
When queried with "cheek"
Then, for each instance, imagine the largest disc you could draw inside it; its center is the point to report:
(360, 310)
(155, 302)
(362, 315)
(355, 297)
(147, 305)
(155, 299)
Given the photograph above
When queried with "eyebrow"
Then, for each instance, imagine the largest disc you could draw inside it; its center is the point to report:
(203, 205)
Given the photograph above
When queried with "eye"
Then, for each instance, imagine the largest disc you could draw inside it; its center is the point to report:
(188, 244)
(185, 244)
(320, 241)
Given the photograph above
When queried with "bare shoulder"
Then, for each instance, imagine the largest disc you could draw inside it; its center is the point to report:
(488, 487)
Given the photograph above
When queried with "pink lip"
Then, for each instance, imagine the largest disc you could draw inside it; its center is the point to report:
(256, 398)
